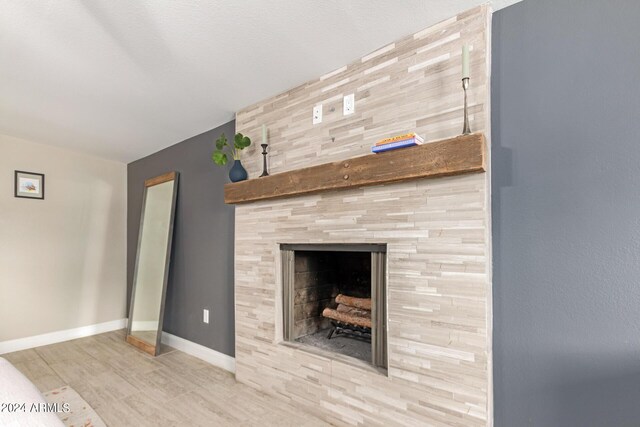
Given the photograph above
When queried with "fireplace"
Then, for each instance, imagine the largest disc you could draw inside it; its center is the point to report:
(437, 263)
(334, 299)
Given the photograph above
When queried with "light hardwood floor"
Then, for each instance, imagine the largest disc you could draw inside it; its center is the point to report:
(127, 387)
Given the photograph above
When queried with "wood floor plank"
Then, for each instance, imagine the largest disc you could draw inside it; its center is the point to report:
(40, 374)
(21, 356)
(120, 414)
(81, 371)
(68, 351)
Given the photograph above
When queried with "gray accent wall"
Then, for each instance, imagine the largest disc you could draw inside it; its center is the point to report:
(201, 274)
(566, 213)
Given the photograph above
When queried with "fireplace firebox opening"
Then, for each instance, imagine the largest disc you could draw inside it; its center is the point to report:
(334, 298)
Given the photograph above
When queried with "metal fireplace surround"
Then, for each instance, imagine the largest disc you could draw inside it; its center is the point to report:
(378, 291)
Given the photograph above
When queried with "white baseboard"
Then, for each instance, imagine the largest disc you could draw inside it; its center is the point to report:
(216, 358)
(60, 336)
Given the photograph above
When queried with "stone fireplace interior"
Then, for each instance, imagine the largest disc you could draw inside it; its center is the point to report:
(332, 296)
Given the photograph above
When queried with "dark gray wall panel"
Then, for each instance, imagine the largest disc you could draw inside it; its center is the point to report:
(202, 267)
(566, 213)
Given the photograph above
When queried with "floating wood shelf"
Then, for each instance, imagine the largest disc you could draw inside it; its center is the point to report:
(455, 156)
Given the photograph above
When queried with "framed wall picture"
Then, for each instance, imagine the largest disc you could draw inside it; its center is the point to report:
(29, 185)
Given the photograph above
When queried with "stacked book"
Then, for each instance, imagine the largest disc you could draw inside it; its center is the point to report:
(400, 141)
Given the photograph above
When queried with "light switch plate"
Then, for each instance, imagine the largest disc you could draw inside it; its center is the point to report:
(205, 315)
(317, 114)
(349, 104)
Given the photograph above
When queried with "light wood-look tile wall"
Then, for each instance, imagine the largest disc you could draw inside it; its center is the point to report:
(439, 286)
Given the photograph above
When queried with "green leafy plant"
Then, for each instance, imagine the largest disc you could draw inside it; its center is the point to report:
(240, 142)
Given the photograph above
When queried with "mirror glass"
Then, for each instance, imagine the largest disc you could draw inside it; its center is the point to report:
(152, 263)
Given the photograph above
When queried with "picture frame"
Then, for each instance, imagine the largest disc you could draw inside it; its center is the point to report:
(28, 185)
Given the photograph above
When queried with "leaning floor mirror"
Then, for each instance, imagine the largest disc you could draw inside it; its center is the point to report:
(152, 263)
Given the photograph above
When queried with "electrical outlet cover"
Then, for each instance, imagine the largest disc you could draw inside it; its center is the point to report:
(317, 114)
(349, 104)
(205, 315)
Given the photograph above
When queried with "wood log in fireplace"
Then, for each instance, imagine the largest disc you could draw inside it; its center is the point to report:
(334, 314)
(350, 310)
(354, 311)
(363, 303)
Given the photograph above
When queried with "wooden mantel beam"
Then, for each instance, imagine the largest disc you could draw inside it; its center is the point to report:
(454, 156)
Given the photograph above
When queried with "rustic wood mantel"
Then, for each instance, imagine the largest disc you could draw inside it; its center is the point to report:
(454, 156)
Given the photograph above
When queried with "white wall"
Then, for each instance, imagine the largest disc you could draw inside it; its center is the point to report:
(62, 259)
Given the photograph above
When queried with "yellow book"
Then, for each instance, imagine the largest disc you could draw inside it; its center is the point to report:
(399, 138)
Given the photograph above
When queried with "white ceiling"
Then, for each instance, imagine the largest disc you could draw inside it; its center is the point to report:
(125, 78)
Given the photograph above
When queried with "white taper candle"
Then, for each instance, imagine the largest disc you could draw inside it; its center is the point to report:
(465, 61)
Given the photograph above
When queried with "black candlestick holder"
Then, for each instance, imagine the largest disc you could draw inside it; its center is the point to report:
(264, 160)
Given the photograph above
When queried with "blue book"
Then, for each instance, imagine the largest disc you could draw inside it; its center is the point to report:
(395, 145)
